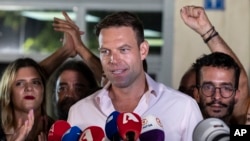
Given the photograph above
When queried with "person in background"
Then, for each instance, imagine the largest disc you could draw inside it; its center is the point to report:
(195, 17)
(130, 89)
(188, 83)
(71, 82)
(72, 46)
(22, 97)
(217, 81)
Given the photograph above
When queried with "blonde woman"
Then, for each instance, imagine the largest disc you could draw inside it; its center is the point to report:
(22, 95)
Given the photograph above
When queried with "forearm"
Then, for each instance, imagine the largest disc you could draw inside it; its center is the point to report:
(92, 61)
(50, 63)
(217, 44)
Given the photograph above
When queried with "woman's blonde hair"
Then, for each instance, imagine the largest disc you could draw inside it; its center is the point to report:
(8, 77)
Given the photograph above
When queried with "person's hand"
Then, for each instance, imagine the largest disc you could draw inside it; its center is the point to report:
(196, 19)
(68, 45)
(23, 130)
(72, 34)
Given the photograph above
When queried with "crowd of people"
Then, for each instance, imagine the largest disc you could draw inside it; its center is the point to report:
(85, 92)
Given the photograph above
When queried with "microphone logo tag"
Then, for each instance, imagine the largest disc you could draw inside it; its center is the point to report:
(109, 119)
(129, 116)
(87, 135)
(159, 122)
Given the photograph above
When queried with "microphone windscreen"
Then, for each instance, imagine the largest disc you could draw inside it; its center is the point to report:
(72, 134)
(152, 129)
(211, 129)
(129, 126)
(57, 130)
(111, 129)
(92, 133)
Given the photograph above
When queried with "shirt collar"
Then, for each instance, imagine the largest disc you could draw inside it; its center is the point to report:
(102, 98)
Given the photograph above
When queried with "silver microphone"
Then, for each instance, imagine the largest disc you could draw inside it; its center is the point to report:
(211, 129)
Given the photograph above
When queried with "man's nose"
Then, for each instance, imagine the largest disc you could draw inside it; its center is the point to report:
(114, 57)
(217, 93)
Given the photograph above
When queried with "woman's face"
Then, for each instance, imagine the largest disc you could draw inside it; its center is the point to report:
(27, 90)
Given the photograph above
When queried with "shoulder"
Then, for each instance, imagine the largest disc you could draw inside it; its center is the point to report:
(169, 92)
(86, 102)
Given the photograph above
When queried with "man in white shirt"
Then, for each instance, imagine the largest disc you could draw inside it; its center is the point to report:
(122, 51)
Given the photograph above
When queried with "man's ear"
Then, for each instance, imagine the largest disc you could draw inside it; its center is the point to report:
(144, 48)
(196, 95)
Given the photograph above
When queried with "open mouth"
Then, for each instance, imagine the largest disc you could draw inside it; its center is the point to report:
(117, 71)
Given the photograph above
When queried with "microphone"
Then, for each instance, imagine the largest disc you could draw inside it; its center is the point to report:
(129, 126)
(72, 134)
(57, 130)
(111, 129)
(152, 129)
(211, 129)
(92, 133)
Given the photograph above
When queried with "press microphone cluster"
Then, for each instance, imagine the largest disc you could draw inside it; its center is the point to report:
(211, 129)
(126, 126)
(130, 127)
(61, 131)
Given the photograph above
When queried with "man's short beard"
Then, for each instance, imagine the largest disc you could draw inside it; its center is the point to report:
(226, 117)
(63, 107)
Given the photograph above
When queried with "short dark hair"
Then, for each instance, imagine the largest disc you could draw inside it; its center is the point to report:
(220, 60)
(80, 67)
(122, 19)
(74, 65)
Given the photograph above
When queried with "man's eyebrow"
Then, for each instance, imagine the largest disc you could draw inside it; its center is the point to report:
(62, 83)
(79, 84)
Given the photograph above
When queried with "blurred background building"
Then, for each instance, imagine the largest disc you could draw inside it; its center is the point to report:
(26, 30)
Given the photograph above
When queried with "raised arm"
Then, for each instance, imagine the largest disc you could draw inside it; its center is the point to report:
(69, 27)
(54, 60)
(196, 18)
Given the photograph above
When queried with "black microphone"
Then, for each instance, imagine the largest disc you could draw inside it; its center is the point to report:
(211, 129)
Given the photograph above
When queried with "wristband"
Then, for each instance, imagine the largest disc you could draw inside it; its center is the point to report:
(211, 29)
(210, 37)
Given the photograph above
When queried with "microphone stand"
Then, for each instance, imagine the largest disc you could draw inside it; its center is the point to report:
(116, 137)
(130, 136)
